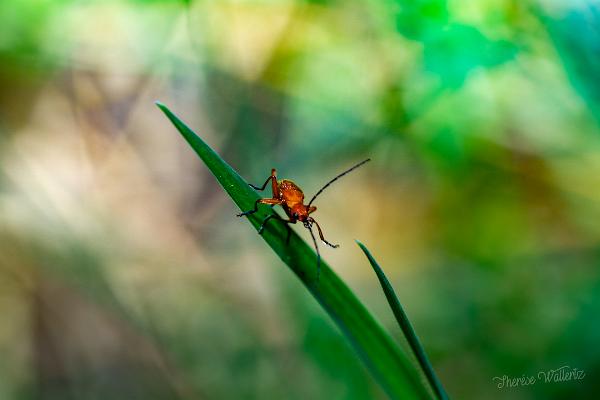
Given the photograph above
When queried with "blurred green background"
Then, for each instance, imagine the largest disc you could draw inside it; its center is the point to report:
(125, 274)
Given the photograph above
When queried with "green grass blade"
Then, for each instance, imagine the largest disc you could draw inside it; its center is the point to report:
(383, 357)
(406, 326)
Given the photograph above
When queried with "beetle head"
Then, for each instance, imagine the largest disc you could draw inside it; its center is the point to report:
(300, 212)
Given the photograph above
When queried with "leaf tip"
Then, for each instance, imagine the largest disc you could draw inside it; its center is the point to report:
(160, 105)
(362, 246)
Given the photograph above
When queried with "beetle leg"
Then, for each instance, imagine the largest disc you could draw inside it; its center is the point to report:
(323, 238)
(256, 203)
(272, 177)
(274, 186)
(277, 217)
(261, 187)
(252, 211)
(318, 253)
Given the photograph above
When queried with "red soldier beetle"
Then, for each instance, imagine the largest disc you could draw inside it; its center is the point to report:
(291, 198)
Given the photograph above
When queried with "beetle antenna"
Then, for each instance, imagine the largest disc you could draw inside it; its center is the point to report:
(318, 254)
(336, 178)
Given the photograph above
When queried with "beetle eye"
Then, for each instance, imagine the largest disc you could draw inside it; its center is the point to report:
(295, 215)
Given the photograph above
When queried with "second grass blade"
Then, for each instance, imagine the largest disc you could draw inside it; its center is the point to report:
(406, 326)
